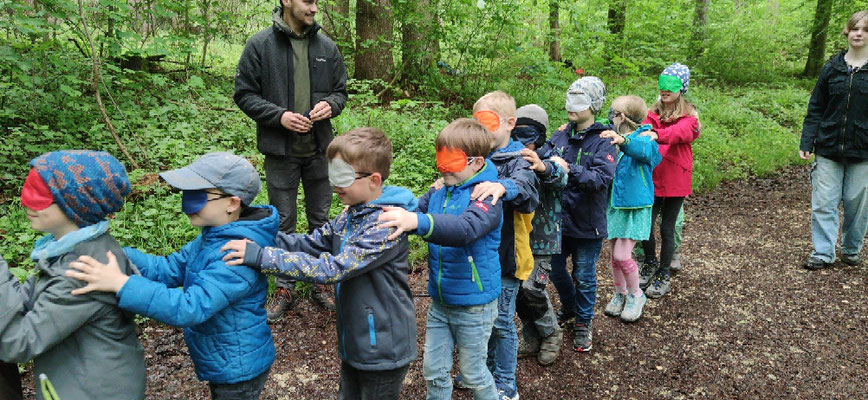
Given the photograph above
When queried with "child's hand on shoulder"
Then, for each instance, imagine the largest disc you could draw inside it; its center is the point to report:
(99, 277)
(237, 248)
(560, 161)
(437, 185)
(398, 218)
(616, 138)
(652, 134)
(485, 189)
(535, 163)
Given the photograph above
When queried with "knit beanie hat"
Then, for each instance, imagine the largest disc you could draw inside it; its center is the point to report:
(679, 71)
(586, 92)
(87, 185)
(534, 116)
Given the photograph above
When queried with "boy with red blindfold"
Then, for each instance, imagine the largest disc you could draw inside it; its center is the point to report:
(518, 183)
(464, 273)
(86, 345)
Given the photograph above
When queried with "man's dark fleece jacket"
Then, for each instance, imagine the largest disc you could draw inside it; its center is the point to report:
(264, 86)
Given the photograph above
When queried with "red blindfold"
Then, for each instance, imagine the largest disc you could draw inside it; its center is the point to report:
(35, 194)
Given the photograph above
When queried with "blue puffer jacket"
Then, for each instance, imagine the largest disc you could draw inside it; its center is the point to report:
(463, 238)
(633, 186)
(221, 308)
(592, 167)
(376, 321)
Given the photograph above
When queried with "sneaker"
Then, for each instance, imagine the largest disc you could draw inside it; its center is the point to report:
(550, 347)
(458, 383)
(659, 286)
(280, 303)
(616, 305)
(814, 263)
(582, 337)
(528, 343)
(564, 317)
(633, 307)
(323, 296)
(507, 394)
(648, 270)
(675, 265)
(851, 259)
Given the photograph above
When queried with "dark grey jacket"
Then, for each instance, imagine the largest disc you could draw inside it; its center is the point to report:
(85, 344)
(264, 91)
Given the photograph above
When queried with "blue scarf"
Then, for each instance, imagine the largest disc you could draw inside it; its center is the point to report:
(47, 246)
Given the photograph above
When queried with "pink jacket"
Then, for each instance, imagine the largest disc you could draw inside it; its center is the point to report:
(672, 177)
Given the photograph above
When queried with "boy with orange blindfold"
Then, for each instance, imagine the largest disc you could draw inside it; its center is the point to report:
(464, 275)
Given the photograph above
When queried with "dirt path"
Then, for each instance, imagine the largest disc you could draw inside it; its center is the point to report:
(743, 321)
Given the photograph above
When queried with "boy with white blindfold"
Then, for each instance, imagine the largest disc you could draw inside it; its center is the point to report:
(376, 321)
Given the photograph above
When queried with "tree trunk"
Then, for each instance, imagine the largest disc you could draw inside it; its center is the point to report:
(337, 24)
(817, 50)
(700, 21)
(617, 16)
(206, 15)
(554, 32)
(374, 40)
(420, 44)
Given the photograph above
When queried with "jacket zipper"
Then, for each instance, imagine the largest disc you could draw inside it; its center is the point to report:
(847, 110)
(440, 253)
(338, 297)
(474, 274)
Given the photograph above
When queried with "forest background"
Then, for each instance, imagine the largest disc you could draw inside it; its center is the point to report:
(151, 81)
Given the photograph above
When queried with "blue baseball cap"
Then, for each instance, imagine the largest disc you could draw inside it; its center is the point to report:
(225, 171)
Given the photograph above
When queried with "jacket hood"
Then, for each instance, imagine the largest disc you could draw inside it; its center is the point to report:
(281, 25)
(487, 173)
(396, 196)
(595, 129)
(259, 224)
(513, 146)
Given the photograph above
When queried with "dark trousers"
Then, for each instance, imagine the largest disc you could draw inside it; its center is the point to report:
(667, 209)
(245, 390)
(10, 382)
(357, 384)
(282, 178)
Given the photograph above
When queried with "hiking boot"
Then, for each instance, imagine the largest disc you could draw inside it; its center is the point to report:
(648, 270)
(528, 343)
(633, 307)
(851, 259)
(323, 296)
(675, 265)
(550, 347)
(616, 305)
(582, 337)
(659, 286)
(280, 303)
(564, 317)
(814, 263)
(507, 394)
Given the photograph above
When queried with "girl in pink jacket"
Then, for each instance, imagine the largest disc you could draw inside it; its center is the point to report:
(676, 124)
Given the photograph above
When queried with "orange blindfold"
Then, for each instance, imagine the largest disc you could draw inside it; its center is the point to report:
(488, 119)
(451, 160)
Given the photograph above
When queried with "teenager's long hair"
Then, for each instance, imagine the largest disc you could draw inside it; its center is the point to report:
(682, 109)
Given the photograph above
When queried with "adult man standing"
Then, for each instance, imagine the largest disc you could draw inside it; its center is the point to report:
(291, 80)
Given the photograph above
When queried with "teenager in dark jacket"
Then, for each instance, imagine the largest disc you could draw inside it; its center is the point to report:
(376, 321)
(291, 81)
(592, 162)
(463, 236)
(517, 184)
(836, 130)
(86, 346)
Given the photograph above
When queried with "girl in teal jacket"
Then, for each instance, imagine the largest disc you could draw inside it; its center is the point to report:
(629, 210)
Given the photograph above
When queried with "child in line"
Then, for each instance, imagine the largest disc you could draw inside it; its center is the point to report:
(540, 334)
(591, 161)
(85, 345)
(464, 273)
(220, 308)
(676, 124)
(376, 321)
(517, 184)
(629, 212)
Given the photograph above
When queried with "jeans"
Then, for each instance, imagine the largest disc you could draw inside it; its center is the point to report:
(532, 303)
(503, 344)
(667, 208)
(357, 384)
(579, 293)
(833, 182)
(468, 328)
(245, 390)
(282, 176)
